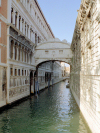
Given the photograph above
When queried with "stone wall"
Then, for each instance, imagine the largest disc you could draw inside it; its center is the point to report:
(85, 69)
(3, 86)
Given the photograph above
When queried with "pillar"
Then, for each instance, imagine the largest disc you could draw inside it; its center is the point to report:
(17, 53)
(24, 27)
(13, 16)
(33, 37)
(9, 11)
(20, 54)
(14, 52)
(17, 20)
(21, 24)
(29, 32)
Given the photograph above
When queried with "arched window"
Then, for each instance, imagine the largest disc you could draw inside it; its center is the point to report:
(19, 21)
(25, 28)
(16, 19)
(38, 39)
(11, 15)
(35, 38)
(15, 51)
(11, 52)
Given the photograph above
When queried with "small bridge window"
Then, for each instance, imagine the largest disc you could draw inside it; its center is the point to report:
(46, 51)
(60, 51)
(53, 52)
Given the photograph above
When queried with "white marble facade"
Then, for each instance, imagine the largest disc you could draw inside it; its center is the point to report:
(26, 26)
(85, 69)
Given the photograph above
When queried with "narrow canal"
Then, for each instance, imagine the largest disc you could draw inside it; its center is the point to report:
(53, 111)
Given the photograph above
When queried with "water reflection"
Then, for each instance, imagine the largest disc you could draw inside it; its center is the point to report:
(53, 111)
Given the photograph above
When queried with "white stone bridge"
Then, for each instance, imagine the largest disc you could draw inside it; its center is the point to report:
(53, 50)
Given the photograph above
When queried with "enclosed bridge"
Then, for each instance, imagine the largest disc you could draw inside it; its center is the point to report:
(55, 50)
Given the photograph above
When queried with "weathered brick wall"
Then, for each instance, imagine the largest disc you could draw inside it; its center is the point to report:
(3, 42)
(3, 8)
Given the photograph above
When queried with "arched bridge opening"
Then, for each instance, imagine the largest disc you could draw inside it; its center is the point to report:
(47, 53)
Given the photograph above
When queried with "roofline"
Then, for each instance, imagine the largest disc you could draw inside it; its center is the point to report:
(44, 17)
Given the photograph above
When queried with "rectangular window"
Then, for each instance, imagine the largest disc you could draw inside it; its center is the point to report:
(15, 72)
(0, 29)
(25, 72)
(11, 71)
(18, 72)
(22, 73)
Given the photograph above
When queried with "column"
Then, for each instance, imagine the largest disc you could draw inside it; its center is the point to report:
(21, 54)
(24, 27)
(14, 51)
(17, 53)
(26, 56)
(33, 37)
(17, 20)
(13, 16)
(21, 24)
(9, 11)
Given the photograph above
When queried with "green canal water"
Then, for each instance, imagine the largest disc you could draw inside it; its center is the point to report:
(53, 111)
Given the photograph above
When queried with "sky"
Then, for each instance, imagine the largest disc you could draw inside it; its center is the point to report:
(61, 16)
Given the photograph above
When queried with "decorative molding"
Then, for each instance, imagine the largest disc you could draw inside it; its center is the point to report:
(2, 45)
(98, 17)
(3, 18)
